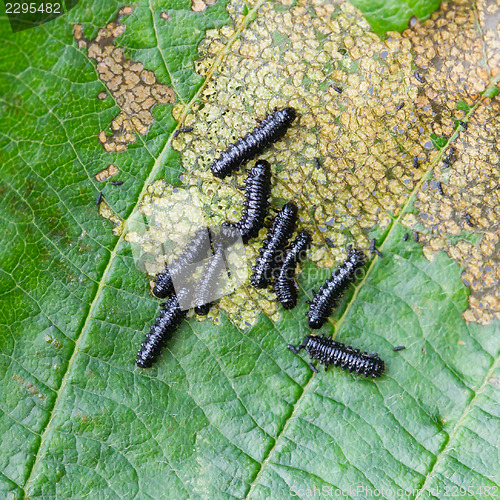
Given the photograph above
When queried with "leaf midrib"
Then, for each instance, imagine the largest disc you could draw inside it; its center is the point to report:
(113, 252)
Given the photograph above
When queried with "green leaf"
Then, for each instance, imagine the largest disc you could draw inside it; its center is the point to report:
(439, 141)
(228, 410)
(394, 15)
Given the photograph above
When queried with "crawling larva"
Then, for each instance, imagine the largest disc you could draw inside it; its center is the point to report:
(196, 250)
(268, 131)
(277, 237)
(208, 283)
(331, 291)
(161, 331)
(328, 352)
(284, 284)
(257, 193)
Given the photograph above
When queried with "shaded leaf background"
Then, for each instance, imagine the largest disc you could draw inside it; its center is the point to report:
(228, 411)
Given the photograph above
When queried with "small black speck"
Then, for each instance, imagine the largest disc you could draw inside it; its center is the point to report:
(415, 162)
(176, 133)
(440, 188)
(416, 236)
(99, 198)
(401, 105)
(337, 89)
(464, 125)
(413, 21)
(405, 237)
(399, 348)
(317, 163)
(378, 252)
(184, 130)
(468, 219)
(116, 183)
(329, 243)
(419, 77)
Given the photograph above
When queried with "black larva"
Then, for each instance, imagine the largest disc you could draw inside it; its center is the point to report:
(415, 162)
(464, 125)
(317, 163)
(185, 130)
(416, 236)
(328, 352)
(99, 198)
(268, 131)
(257, 192)
(208, 283)
(116, 183)
(400, 106)
(284, 284)
(405, 237)
(337, 89)
(440, 188)
(195, 250)
(332, 290)
(165, 325)
(398, 348)
(277, 237)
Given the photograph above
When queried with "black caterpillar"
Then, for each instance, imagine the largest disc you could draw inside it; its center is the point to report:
(268, 131)
(208, 283)
(277, 237)
(258, 191)
(332, 290)
(195, 250)
(165, 325)
(328, 352)
(284, 284)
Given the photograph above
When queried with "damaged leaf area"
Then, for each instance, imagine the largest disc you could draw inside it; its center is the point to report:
(364, 139)
(134, 88)
(463, 219)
